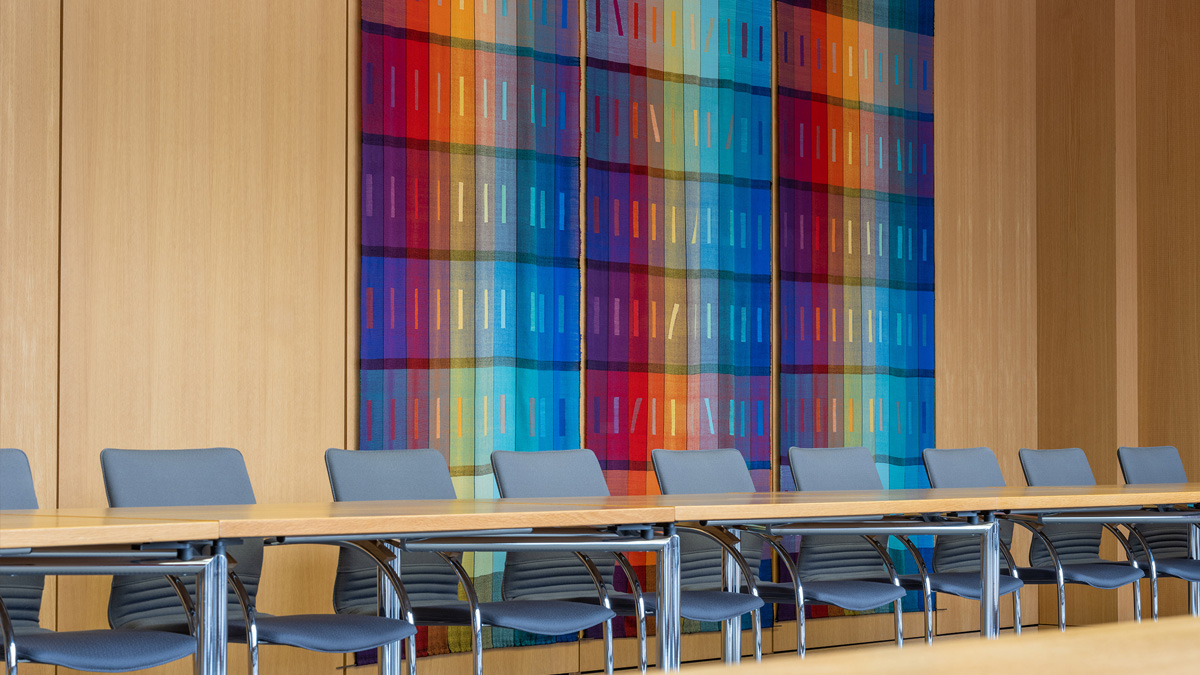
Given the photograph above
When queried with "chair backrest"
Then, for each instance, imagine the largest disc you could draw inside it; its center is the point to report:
(1066, 466)
(695, 472)
(836, 556)
(550, 473)
(1062, 467)
(834, 469)
(201, 477)
(22, 593)
(367, 475)
(17, 477)
(963, 468)
(358, 475)
(1154, 464)
(1157, 464)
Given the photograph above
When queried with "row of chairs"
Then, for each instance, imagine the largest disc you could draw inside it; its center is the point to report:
(552, 593)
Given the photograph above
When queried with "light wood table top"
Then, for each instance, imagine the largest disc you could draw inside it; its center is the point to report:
(390, 517)
(51, 528)
(1167, 647)
(750, 506)
(57, 527)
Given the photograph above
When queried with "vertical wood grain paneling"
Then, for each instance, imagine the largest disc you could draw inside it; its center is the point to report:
(30, 32)
(29, 126)
(204, 255)
(1168, 247)
(1077, 361)
(986, 241)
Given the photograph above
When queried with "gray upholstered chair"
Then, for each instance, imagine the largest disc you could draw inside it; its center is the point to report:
(577, 473)
(850, 572)
(218, 476)
(21, 601)
(854, 469)
(1168, 544)
(433, 579)
(1052, 561)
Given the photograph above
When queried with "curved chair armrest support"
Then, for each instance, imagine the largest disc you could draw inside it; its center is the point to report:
(468, 587)
(1035, 528)
(597, 580)
(464, 580)
(1141, 538)
(1008, 557)
(630, 574)
(10, 640)
(1124, 544)
(185, 599)
(883, 555)
(785, 556)
(248, 614)
(729, 549)
(916, 556)
(382, 557)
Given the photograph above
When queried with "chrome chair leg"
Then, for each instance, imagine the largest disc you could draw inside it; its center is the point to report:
(608, 647)
(899, 612)
(756, 619)
(1017, 612)
(800, 624)
(1060, 584)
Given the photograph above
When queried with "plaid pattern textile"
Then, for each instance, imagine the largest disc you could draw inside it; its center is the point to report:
(678, 208)
(678, 237)
(470, 241)
(856, 230)
(478, 330)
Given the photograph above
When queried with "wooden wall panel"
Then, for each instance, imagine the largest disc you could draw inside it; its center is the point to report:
(29, 126)
(1168, 180)
(204, 255)
(30, 32)
(1077, 260)
(985, 239)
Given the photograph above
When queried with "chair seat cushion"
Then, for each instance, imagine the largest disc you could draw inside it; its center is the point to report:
(697, 605)
(334, 633)
(1184, 569)
(544, 617)
(104, 651)
(716, 605)
(1097, 575)
(849, 594)
(962, 584)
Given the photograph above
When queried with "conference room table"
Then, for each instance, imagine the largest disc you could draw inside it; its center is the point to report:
(416, 520)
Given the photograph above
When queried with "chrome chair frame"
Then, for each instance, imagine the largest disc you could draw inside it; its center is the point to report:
(206, 617)
(1034, 526)
(472, 599)
(1130, 520)
(987, 530)
(666, 544)
(378, 555)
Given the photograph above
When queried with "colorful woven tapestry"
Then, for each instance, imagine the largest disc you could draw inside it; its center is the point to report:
(856, 231)
(678, 213)
(470, 240)
(678, 233)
